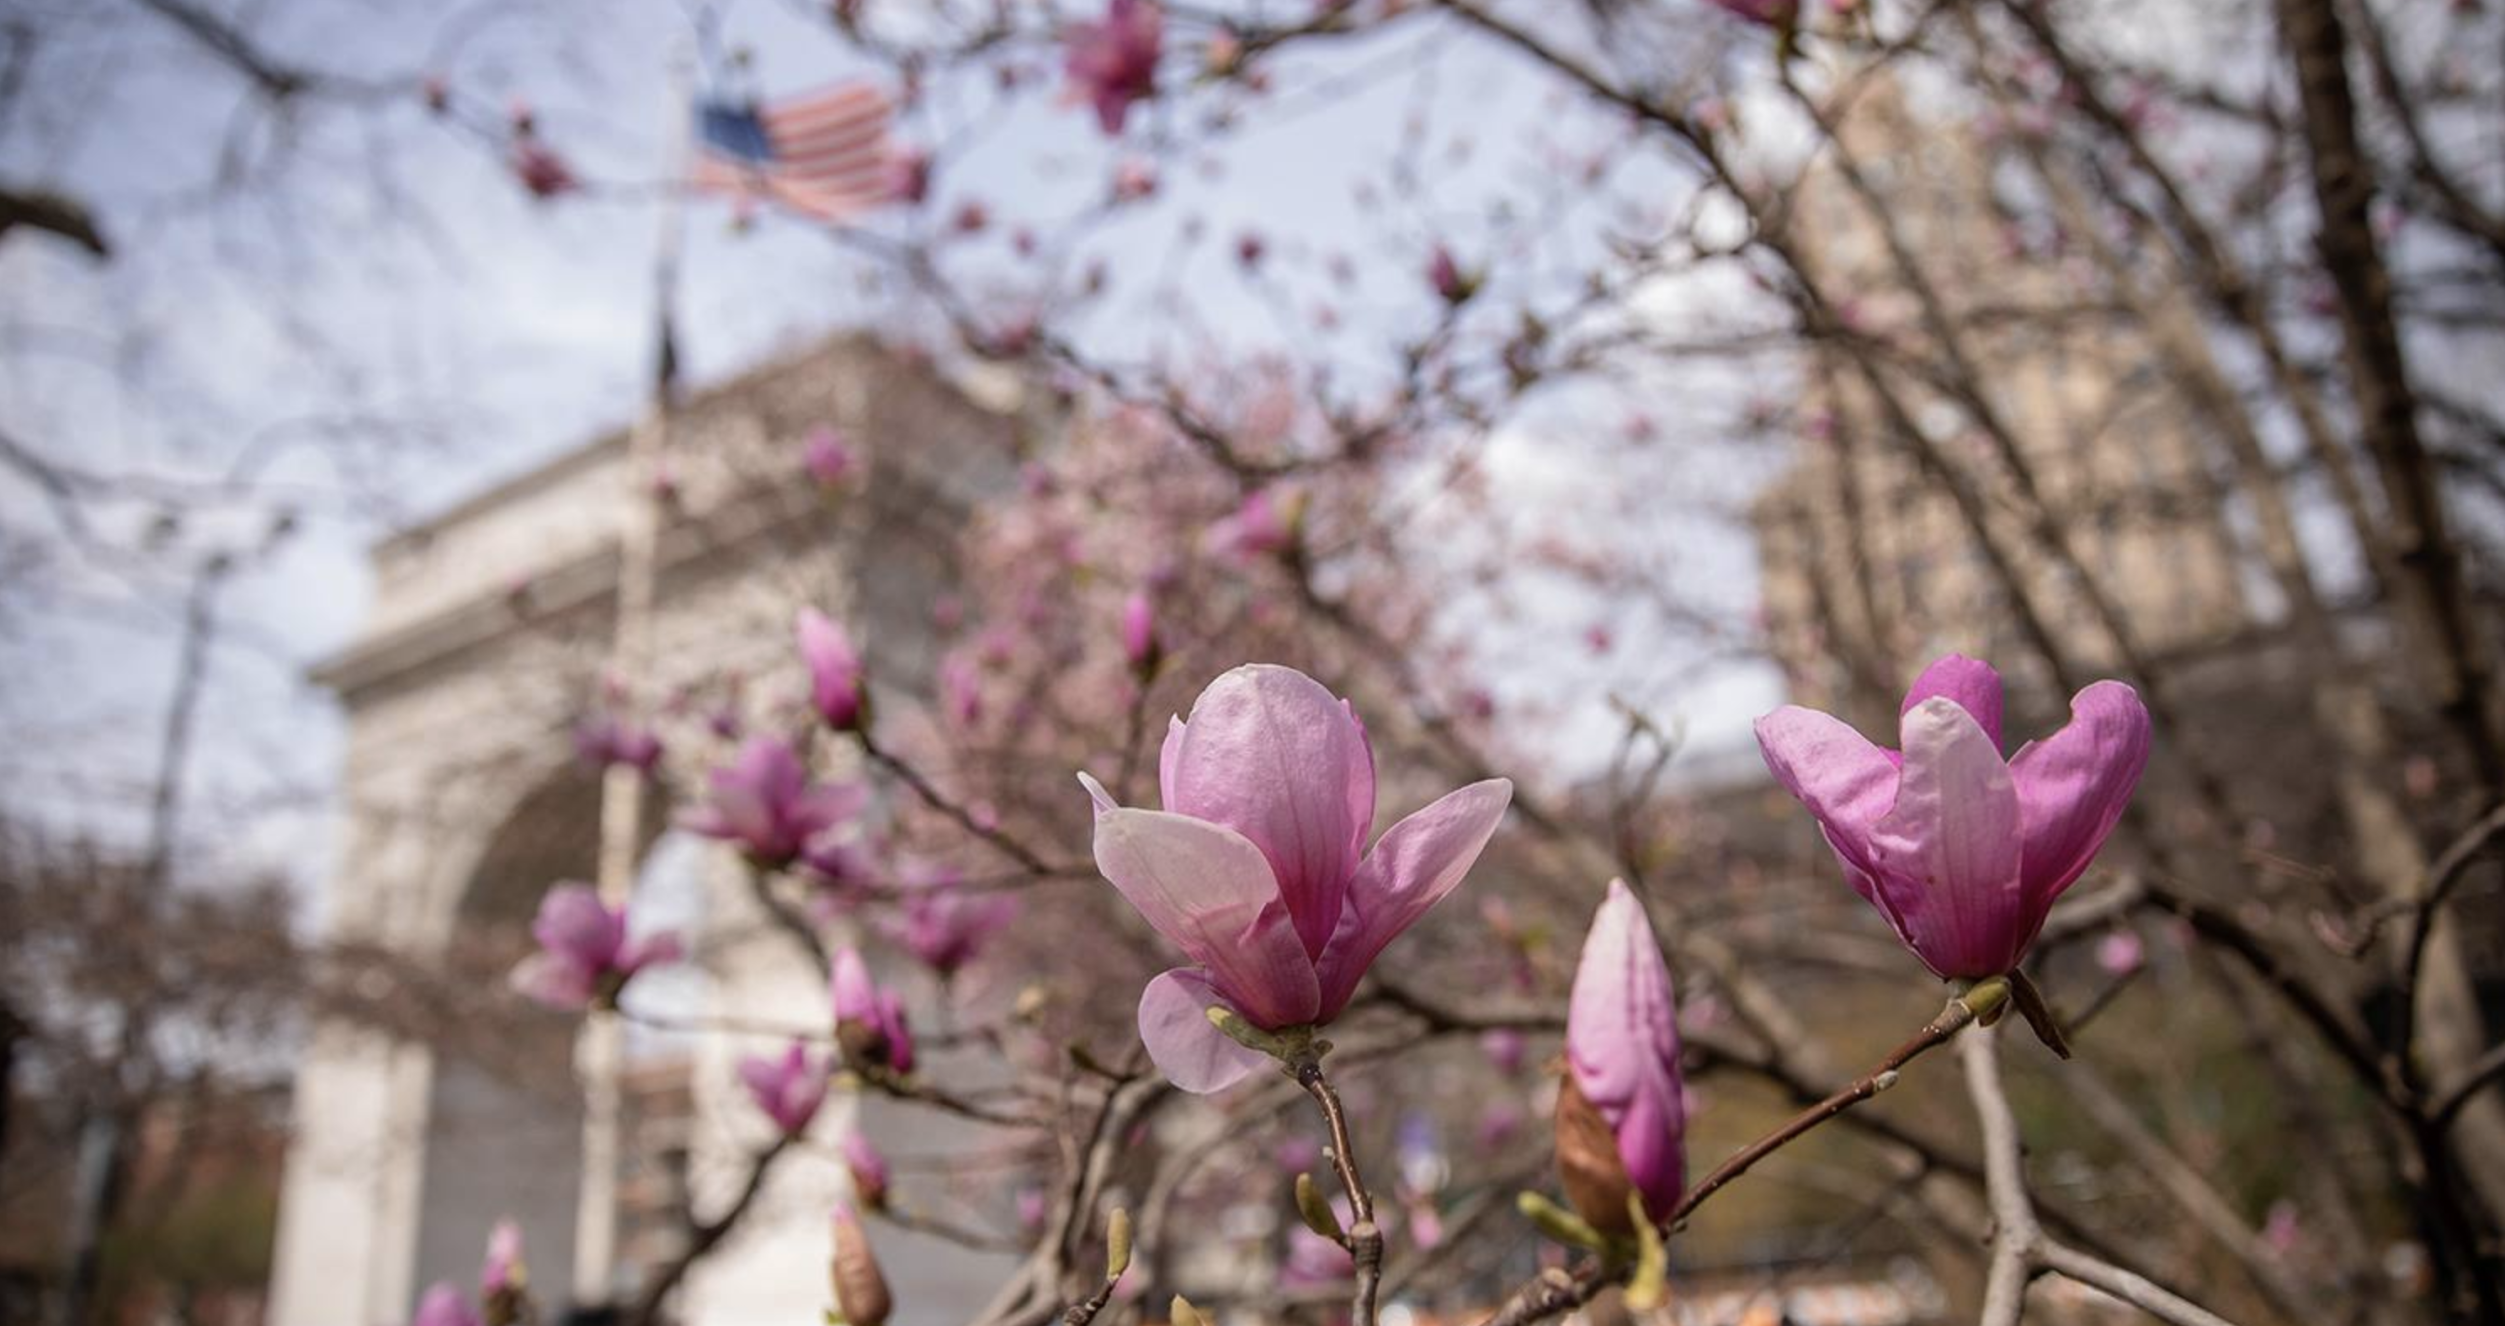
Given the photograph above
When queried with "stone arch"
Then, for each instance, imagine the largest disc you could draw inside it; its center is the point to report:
(487, 634)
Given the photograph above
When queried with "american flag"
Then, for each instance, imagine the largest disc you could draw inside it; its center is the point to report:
(825, 154)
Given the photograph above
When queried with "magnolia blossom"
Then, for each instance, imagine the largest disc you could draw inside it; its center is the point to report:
(1505, 1048)
(961, 690)
(541, 170)
(765, 803)
(1772, 13)
(1263, 525)
(909, 175)
(834, 670)
(502, 1271)
(868, 1170)
(584, 954)
(1257, 867)
(788, 1088)
(944, 924)
(603, 740)
(2120, 953)
(1139, 632)
(1443, 272)
(828, 458)
(1113, 62)
(1964, 851)
(445, 1306)
(869, 1022)
(1622, 1113)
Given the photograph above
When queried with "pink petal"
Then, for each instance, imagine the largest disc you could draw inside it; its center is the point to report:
(1622, 1045)
(1096, 793)
(554, 982)
(1174, 1025)
(1846, 782)
(651, 950)
(1416, 863)
(2074, 784)
(1947, 854)
(572, 922)
(1167, 760)
(1970, 682)
(1271, 754)
(1209, 890)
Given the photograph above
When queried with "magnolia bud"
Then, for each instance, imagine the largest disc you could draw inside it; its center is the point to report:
(1182, 1313)
(1316, 1210)
(1140, 646)
(1595, 1178)
(1117, 1244)
(860, 1288)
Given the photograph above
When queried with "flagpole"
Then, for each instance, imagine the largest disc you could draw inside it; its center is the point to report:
(623, 795)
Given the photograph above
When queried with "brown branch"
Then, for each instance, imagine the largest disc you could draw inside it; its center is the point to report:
(1364, 1240)
(703, 1236)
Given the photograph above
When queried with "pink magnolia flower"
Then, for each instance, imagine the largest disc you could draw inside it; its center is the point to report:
(1113, 62)
(787, 1088)
(945, 926)
(869, 1022)
(604, 739)
(1265, 524)
(444, 1306)
(541, 170)
(868, 1169)
(1505, 1048)
(766, 804)
(1134, 179)
(1139, 632)
(584, 955)
(1622, 1065)
(1443, 272)
(1257, 867)
(1772, 13)
(1962, 850)
(834, 670)
(502, 1272)
(828, 458)
(961, 690)
(909, 175)
(2120, 953)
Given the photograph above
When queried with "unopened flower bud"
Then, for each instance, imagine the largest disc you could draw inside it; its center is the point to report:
(861, 1293)
(1117, 1244)
(1140, 645)
(1316, 1210)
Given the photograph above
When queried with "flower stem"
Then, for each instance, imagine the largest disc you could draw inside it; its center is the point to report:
(1365, 1238)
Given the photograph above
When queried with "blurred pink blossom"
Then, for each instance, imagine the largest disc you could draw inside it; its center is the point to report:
(869, 1021)
(1112, 63)
(445, 1306)
(788, 1088)
(764, 803)
(584, 955)
(835, 688)
(828, 457)
(868, 1169)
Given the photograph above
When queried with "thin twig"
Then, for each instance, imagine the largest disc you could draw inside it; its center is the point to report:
(1365, 1238)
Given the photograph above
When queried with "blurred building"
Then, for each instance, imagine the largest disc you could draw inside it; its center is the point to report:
(1868, 560)
(485, 645)
(193, 1242)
